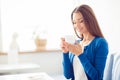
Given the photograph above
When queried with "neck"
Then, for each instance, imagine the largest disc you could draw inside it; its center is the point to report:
(88, 37)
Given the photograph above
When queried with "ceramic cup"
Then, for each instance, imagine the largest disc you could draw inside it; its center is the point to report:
(70, 39)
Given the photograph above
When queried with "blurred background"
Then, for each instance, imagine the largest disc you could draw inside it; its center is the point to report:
(50, 20)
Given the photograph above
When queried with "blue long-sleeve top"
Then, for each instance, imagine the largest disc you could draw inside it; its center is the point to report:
(93, 60)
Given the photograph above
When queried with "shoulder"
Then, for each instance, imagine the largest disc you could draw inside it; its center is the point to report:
(100, 42)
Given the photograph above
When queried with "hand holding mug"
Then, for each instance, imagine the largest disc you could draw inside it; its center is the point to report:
(63, 45)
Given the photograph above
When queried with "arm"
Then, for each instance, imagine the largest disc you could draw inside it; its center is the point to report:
(95, 70)
(67, 66)
(67, 60)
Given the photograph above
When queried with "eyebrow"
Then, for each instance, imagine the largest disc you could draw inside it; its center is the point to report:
(78, 19)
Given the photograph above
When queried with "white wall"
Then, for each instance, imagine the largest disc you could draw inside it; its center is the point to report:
(50, 62)
(0, 29)
(108, 15)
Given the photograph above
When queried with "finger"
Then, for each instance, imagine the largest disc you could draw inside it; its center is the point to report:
(63, 39)
(76, 42)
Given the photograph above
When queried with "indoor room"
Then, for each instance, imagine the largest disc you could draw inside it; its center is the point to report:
(31, 32)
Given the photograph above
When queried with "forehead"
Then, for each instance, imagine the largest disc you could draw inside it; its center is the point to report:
(77, 16)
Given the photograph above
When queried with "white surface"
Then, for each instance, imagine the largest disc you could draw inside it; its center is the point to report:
(59, 77)
(27, 76)
(50, 62)
(16, 68)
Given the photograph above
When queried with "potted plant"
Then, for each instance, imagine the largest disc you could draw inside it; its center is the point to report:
(40, 43)
(40, 39)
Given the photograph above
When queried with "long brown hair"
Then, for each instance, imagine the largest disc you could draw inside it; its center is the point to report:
(90, 20)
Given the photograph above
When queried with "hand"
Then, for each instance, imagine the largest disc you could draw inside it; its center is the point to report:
(75, 49)
(63, 45)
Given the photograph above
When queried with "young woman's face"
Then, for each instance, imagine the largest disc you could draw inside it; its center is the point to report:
(79, 24)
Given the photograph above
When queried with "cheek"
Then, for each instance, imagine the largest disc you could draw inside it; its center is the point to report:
(84, 30)
(81, 29)
(78, 31)
(77, 27)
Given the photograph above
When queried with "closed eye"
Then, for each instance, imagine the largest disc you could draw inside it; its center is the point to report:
(81, 21)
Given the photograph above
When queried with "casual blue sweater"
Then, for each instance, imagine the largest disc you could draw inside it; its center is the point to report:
(93, 60)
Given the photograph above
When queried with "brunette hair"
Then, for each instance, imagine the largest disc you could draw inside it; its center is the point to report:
(90, 20)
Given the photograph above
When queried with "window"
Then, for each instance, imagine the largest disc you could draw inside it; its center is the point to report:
(27, 16)
(52, 16)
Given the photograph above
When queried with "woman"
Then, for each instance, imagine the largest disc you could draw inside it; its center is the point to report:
(92, 49)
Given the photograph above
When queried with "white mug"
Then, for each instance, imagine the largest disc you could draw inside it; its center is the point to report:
(70, 39)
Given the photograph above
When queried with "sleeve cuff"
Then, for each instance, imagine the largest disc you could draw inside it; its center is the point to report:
(83, 58)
